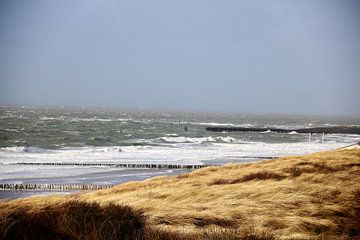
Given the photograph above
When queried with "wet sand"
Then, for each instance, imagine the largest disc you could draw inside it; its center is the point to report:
(98, 178)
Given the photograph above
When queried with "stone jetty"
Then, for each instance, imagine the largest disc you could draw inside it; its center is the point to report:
(326, 130)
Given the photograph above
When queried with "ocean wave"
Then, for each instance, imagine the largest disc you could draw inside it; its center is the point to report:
(161, 154)
(267, 131)
(52, 118)
(197, 140)
(185, 139)
(24, 149)
(91, 120)
(330, 125)
(123, 119)
(215, 124)
(10, 130)
(293, 132)
(227, 139)
(8, 115)
(289, 127)
(107, 149)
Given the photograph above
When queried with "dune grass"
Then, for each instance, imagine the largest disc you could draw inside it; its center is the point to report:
(316, 196)
(81, 220)
(71, 220)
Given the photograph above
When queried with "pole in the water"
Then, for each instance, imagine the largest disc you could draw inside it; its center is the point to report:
(323, 138)
(309, 137)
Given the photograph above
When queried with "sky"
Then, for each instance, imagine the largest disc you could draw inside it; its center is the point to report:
(282, 56)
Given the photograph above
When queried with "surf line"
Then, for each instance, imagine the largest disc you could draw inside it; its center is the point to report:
(118, 165)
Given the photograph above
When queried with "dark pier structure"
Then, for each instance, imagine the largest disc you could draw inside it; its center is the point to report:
(326, 130)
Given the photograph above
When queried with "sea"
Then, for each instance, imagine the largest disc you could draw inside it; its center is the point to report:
(85, 141)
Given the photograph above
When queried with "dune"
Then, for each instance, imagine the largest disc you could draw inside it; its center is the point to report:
(315, 196)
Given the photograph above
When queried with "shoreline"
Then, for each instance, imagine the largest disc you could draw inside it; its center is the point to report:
(79, 183)
(12, 189)
(294, 197)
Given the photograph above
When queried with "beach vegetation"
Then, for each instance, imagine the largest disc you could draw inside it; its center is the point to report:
(316, 196)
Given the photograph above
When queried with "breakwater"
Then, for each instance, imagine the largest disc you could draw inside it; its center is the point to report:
(45, 186)
(326, 130)
(79, 187)
(118, 165)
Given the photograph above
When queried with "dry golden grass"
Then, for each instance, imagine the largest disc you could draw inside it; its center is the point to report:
(315, 196)
(71, 220)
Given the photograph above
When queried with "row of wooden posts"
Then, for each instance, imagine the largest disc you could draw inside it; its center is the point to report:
(118, 165)
(46, 186)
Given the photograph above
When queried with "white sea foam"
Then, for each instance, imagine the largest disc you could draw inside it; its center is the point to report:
(181, 154)
(197, 140)
(51, 118)
(23, 150)
(91, 120)
(10, 130)
(186, 139)
(227, 139)
(172, 135)
(267, 131)
(215, 124)
(71, 119)
(123, 119)
(169, 149)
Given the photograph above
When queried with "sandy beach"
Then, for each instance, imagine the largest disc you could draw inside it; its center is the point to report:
(314, 196)
(97, 178)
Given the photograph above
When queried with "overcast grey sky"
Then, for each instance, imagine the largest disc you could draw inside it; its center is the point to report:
(254, 56)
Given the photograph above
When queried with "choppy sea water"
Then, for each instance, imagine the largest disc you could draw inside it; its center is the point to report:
(87, 135)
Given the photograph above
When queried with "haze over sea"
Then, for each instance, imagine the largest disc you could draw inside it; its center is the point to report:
(94, 135)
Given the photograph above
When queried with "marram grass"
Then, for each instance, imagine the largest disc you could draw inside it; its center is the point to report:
(316, 196)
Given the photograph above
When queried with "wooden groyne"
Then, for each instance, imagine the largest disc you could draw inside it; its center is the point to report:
(46, 186)
(326, 130)
(77, 187)
(118, 165)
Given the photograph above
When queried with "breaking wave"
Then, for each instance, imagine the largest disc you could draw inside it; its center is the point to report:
(199, 140)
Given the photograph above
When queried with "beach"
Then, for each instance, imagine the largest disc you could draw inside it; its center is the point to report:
(314, 196)
(175, 178)
(66, 183)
